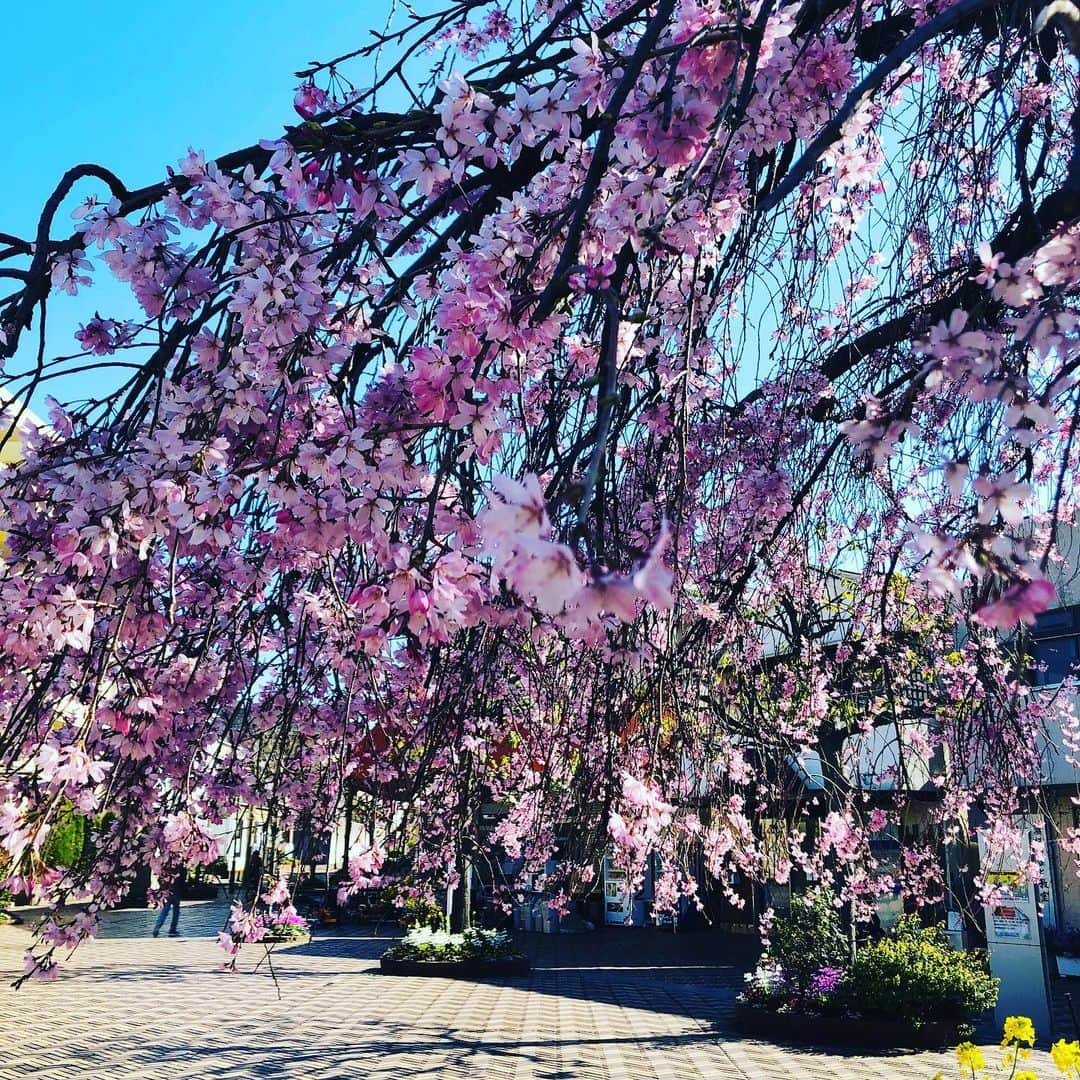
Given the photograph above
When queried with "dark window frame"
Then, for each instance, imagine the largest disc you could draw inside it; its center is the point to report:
(1060, 625)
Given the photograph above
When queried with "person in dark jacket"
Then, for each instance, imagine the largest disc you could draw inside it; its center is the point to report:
(172, 903)
(252, 879)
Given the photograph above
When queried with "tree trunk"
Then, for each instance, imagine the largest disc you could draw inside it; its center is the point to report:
(348, 830)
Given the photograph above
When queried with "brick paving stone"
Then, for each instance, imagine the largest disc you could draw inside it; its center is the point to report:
(615, 1005)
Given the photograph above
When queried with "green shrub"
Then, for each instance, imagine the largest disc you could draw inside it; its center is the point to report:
(808, 939)
(422, 943)
(286, 932)
(219, 868)
(915, 976)
(420, 911)
(66, 841)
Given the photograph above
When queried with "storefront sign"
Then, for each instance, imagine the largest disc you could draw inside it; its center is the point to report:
(1010, 924)
(1014, 934)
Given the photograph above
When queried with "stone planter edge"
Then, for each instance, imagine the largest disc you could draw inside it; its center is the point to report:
(299, 939)
(845, 1030)
(456, 969)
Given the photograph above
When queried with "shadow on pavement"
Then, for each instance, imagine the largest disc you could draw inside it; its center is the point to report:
(694, 976)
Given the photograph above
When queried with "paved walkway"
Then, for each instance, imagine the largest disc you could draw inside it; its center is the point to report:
(616, 1005)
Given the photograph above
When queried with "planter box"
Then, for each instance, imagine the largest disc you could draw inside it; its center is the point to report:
(456, 969)
(844, 1030)
(1068, 966)
(292, 939)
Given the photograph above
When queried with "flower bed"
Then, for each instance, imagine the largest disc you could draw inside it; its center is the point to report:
(842, 1031)
(287, 934)
(908, 989)
(278, 925)
(472, 954)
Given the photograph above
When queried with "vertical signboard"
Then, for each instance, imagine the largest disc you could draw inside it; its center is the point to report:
(1014, 934)
(617, 899)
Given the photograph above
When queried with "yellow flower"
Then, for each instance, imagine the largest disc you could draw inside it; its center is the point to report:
(1018, 1029)
(1025, 1074)
(1066, 1055)
(970, 1057)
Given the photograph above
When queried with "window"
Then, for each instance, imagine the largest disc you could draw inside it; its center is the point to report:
(1061, 621)
(1055, 646)
(1058, 655)
(885, 845)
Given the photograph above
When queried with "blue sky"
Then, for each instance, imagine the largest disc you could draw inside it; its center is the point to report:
(132, 85)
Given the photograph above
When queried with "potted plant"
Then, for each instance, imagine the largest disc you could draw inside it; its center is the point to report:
(282, 923)
(287, 928)
(280, 926)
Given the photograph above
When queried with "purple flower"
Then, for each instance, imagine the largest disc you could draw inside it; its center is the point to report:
(825, 982)
(101, 336)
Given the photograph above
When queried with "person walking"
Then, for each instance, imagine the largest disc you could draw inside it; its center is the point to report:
(252, 880)
(172, 903)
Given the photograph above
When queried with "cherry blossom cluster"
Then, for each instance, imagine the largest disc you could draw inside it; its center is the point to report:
(662, 428)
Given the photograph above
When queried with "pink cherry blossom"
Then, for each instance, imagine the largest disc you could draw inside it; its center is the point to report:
(1021, 602)
(576, 421)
